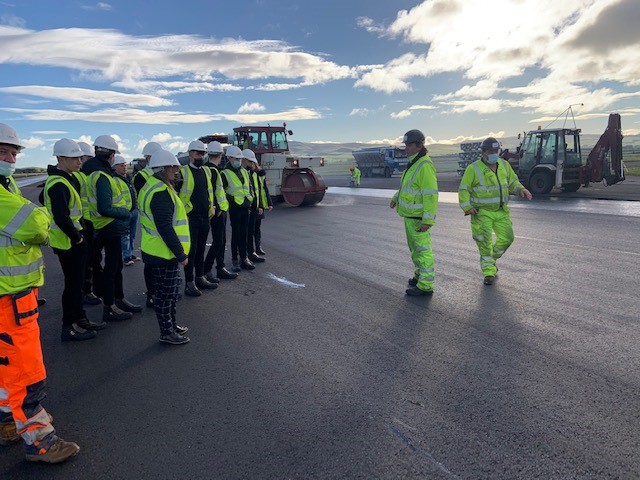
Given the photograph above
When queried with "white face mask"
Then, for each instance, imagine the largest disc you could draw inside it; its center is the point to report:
(7, 169)
(492, 158)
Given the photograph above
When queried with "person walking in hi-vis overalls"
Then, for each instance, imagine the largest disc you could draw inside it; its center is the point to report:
(484, 195)
(417, 203)
(24, 227)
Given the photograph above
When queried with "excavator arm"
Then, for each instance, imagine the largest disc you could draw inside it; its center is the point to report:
(605, 159)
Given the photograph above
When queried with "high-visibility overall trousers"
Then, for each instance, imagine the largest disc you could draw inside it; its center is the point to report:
(22, 372)
(421, 253)
(483, 225)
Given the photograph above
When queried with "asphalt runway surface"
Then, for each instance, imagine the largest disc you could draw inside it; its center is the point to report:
(316, 365)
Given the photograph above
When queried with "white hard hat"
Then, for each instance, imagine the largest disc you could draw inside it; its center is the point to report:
(66, 147)
(106, 141)
(197, 145)
(163, 158)
(9, 136)
(249, 155)
(234, 152)
(118, 160)
(86, 148)
(214, 147)
(151, 148)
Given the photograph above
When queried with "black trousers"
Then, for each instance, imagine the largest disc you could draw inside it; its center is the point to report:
(73, 263)
(108, 279)
(148, 280)
(239, 218)
(166, 282)
(199, 231)
(218, 243)
(88, 264)
(251, 230)
(257, 234)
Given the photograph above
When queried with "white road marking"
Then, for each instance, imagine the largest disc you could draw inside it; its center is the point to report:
(284, 281)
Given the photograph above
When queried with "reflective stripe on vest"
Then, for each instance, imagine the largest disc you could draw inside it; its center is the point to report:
(221, 197)
(489, 188)
(84, 195)
(409, 200)
(125, 191)
(57, 238)
(264, 201)
(235, 188)
(117, 199)
(152, 243)
(188, 185)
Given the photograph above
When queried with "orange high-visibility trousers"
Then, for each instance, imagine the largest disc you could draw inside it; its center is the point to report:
(22, 371)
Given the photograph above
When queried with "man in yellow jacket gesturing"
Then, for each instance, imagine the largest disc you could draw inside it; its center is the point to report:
(417, 203)
(484, 194)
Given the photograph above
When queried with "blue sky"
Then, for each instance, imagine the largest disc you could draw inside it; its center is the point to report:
(335, 71)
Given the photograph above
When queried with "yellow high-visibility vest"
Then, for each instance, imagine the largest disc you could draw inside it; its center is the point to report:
(57, 238)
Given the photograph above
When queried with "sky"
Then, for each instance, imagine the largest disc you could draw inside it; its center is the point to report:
(334, 71)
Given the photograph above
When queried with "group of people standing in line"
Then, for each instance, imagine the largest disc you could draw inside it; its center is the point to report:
(89, 219)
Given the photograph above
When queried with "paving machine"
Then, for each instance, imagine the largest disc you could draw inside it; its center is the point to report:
(289, 178)
(548, 158)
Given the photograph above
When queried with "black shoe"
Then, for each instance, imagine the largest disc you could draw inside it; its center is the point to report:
(209, 277)
(127, 306)
(114, 314)
(247, 265)
(89, 325)
(488, 280)
(260, 251)
(417, 292)
(74, 332)
(191, 290)
(203, 284)
(91, 299)
(150, 302)
(236, 265)
(225, 274)
(413, 282)
(255, 258)
(41, 301)
(181, 330)
(174, 339)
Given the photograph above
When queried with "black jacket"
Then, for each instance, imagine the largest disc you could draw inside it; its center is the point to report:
(104, 197)
(162, 210)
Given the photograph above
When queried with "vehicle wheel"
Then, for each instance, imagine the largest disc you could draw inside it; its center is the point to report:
(570, 187)
(540, 182)
(387, 172)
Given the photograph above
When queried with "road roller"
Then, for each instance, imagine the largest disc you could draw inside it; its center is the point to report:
(289, 177)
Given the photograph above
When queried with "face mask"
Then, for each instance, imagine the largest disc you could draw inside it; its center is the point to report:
(7, 169)
(492, 158)
(198, 162)
(237, 163)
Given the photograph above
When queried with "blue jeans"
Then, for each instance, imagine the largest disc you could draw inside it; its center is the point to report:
(127, 240)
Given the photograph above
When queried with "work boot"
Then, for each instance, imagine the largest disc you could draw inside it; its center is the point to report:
(89, 325)
(225, 274)
(74, 332)
(181, 330)
(417, 292)
(260, 251)
(127, 306)
(413, 281)
(247, 265)
(255, 258)
(191, 290)
(488, 280)
(41, 301)
(203, 284)
(51, 449)
(8, 433)
(113, 313)
(210, 277)
(236, 265)
(91, 299)
(174, 339)
(128, 262)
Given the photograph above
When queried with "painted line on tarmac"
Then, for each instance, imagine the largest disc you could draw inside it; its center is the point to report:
(590, 206)
(23, 182)
(284, 281)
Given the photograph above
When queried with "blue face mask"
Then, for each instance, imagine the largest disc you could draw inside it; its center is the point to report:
(7, 169)
(237, 163)
(492, 158)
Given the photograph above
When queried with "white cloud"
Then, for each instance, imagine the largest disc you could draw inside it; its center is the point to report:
(631, 131)
(102, 6)
(51, 132)
(400, 115)
(275, 87)
(32, 142)
(114, 56)
(370, 25)
(361, 112)
(247, 107)
(87, 96)
(408, 111)
(163, 89)
(162, 137)
(12, 20)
